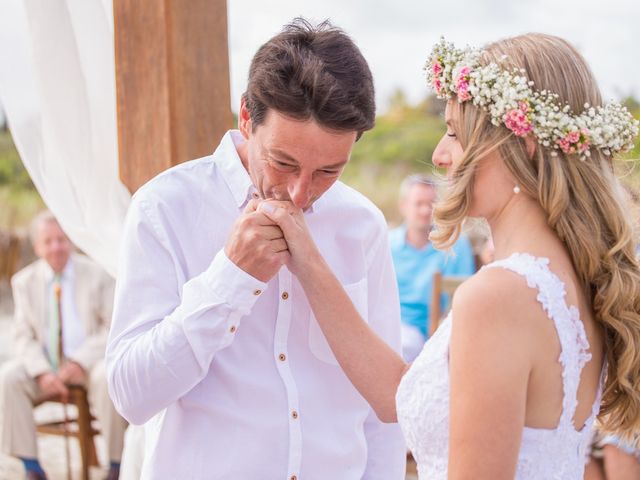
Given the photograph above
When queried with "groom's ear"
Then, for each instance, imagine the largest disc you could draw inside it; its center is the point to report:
(244, 120)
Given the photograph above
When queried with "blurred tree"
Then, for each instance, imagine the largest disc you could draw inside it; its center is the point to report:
(12, 171)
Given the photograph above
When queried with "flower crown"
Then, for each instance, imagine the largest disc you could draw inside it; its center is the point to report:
(510, 99)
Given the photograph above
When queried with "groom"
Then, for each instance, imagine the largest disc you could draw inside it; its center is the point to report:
(213, 342)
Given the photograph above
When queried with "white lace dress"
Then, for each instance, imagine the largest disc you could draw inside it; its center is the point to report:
(423, 395)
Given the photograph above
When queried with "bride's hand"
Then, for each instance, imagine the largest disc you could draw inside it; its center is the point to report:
(290, 219)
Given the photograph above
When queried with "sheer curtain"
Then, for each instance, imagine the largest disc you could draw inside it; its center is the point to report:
(57, 86)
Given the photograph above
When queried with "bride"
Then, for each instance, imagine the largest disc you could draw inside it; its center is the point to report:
(547, 337)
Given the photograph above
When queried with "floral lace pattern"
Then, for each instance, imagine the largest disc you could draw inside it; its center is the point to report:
(423, 395)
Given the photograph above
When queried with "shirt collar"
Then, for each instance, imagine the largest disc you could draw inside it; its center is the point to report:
(403, 237)
(231, 167)
(427, 247)
(66, 274)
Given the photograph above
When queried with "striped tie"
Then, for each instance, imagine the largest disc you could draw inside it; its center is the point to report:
(54, 322)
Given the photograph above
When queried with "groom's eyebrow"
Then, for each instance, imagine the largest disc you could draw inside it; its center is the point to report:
(283, 155)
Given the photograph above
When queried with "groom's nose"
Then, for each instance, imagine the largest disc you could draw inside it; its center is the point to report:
(299, 190)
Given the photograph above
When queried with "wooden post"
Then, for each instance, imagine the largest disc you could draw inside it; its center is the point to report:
(172, 83)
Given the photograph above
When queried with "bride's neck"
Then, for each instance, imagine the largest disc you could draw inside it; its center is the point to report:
(520, 226)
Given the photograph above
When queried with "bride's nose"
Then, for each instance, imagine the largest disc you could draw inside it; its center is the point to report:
(441, 157)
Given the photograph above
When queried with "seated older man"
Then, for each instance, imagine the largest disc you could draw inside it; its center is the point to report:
(60, 288)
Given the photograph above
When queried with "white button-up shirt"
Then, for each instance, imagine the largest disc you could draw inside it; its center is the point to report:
(72, 328)
(232, 375)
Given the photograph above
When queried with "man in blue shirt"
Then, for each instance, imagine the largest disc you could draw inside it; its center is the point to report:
(416, 260)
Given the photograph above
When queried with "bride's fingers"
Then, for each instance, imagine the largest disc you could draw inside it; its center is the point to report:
(285, 204)
(279, 213)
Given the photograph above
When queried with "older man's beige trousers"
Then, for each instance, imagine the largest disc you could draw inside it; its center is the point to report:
(19, 393)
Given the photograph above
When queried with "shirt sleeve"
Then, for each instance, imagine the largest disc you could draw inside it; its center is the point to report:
(386, 447)
(25, 342)
(93, 347)
(165, 332)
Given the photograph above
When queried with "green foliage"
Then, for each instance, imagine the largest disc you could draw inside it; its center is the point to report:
(12, 172)
(19, 199)
(401, 143)
(634, 107)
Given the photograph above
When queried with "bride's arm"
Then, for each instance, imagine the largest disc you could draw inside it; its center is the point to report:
(489, 363)
(371, 365)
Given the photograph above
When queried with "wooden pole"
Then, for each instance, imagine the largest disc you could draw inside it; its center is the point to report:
(172, 83)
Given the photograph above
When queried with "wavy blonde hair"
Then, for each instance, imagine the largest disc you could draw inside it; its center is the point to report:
(583, 204)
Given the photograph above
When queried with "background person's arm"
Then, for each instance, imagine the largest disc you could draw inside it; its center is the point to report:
(25, 342)
(93, 347)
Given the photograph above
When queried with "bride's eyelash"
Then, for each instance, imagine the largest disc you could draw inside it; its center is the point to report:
(451, 134)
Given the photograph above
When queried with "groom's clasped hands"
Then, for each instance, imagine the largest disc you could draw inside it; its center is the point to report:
(268, 235)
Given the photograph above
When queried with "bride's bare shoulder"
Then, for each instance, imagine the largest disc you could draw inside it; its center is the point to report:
(495, 298)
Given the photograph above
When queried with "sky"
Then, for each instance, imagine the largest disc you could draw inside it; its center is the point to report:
(396, 37)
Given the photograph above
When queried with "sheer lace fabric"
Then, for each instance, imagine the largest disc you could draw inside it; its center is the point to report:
(423, 395)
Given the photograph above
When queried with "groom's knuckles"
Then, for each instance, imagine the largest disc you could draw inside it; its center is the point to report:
(252, 206)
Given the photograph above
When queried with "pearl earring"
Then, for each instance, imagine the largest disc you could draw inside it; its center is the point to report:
(516, 189)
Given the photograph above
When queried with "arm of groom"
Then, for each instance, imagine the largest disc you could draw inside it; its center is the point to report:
(166, 328)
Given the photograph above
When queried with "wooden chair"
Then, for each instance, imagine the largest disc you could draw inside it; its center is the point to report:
(80, 427)
(442, 284)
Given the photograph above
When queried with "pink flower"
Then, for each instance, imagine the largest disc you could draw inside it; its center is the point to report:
(463, 91)
(462, 84)
(436, 68)
(574, 141)
(438, 85)
(518, 121)
(573, 137)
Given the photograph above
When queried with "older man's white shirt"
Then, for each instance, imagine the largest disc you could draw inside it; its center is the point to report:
(233, 375)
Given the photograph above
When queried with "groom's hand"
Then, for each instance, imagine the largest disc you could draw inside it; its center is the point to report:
(303, 251)
(256, 244)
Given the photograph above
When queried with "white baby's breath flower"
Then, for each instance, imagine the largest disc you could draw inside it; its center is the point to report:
(502, 92)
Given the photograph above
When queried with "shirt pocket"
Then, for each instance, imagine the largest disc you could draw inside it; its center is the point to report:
(318, 344)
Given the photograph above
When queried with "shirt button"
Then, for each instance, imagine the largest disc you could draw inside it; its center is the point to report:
(282, 357)
(257, 292)
(232, 329)
(294, 414)
(285, 295)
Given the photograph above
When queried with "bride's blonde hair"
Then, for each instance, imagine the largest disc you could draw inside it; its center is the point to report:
(583, 203)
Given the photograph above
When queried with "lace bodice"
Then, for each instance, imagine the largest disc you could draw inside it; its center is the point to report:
(423, 395)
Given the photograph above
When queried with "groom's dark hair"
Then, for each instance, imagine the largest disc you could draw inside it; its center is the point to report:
(312, 72)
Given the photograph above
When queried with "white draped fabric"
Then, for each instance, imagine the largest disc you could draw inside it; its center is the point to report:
(57, 86)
